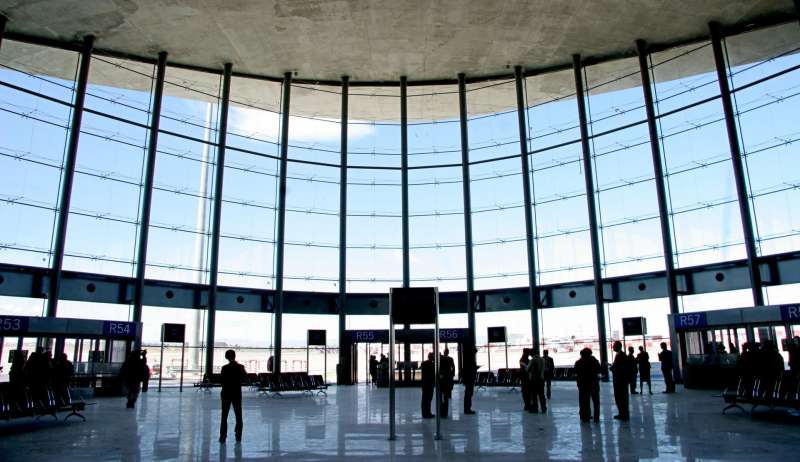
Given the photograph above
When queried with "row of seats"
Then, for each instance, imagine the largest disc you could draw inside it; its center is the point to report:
(18, 402)
(512, 377)
(273, 384)
(755, 391)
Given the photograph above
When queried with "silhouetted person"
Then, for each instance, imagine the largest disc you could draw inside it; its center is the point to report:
(549, 370)
(270, 363)
(745, 365)
(468, 370)
(447, 372)
(621, 378)
(63, 370)
(373, 369)
(771, 368)
(633, 369)
(428, 372)
(665, 357)
(132, 374)
(38, 376)
(233, 374)
(16, 376)
(587, 370)
(536, 372)
(525, 379)
(643, 360)
(146, 381)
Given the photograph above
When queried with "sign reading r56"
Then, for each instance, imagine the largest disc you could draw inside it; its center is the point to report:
(690, 321)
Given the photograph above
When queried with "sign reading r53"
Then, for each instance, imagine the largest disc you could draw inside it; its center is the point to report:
(13, 324)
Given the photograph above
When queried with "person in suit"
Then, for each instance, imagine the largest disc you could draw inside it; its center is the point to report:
(549, 371)
(373, 369)
(233, 374)
(428, 372)
(447, 372)
(536, 373)
(468, 370)
(525, 380)
(587, 371)
(665, 357)
(632, 368)
(621, 379)
(643, 360)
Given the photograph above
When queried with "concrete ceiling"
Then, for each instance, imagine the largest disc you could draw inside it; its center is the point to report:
(373, 40)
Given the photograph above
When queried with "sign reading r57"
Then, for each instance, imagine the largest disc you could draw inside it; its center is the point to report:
(690, 321)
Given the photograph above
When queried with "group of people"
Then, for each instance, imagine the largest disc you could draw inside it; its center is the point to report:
(46, 378)
(624, 370)
(378, 368)
(447, 373)
(764, 362)
(536, 376)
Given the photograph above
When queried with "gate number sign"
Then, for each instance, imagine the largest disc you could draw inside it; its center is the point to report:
(690, 321)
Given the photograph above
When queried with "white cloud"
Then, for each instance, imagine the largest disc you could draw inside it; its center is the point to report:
(265, 125)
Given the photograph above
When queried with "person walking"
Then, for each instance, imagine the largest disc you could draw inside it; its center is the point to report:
(549, 371)
(632, 368)
(587, 371)
(643, 360)
(428, 371)
(468, 371)
(621, 378)
(132, 373)
(233, 374)
(665, 357)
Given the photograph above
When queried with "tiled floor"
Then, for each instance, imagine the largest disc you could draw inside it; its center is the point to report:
(352, 423)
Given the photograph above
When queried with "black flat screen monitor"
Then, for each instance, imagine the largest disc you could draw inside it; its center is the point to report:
(414, 305)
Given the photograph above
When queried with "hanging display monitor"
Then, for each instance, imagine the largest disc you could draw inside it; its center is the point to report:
(414, 305)
(173, 333)
(634, 326)
(496, 334)
(316, 337)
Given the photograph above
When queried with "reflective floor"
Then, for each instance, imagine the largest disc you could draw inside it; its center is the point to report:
(352, 423)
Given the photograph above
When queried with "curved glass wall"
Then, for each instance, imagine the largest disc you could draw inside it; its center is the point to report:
(705, 226)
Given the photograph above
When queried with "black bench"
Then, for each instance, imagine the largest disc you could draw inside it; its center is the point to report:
(755, 391)
(17, 403)
(273, 385)
(209, 381)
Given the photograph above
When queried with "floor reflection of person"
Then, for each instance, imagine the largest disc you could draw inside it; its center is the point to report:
(233, 374)
(428, 372)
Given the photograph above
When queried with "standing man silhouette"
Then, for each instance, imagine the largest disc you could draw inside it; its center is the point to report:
(536, 373)
(549, 370)
(621, 380)
(428, 371)
(233, 374)
(587, 372)
(665, 356)
(447, 373)
(468, 371)
(633, 369)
